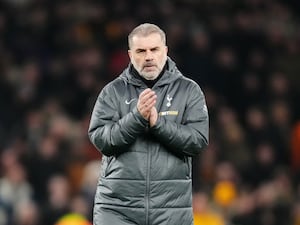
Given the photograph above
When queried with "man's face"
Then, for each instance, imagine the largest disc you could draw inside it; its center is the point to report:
(148, 55)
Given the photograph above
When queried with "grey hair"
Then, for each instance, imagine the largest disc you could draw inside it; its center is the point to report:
(144, 30)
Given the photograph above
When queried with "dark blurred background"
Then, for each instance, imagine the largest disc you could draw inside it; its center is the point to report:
(56, 55)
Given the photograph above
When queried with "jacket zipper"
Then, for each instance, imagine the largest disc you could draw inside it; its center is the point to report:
(147, 187)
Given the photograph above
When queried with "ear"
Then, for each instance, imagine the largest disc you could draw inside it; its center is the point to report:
(129, 53)
(167, 49)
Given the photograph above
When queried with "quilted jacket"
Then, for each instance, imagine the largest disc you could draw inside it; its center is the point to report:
(145, 176)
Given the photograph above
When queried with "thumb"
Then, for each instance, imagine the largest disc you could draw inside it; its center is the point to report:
(153, 116)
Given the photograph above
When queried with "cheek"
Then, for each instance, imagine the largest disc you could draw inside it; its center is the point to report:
(162, 59)
(138, 61)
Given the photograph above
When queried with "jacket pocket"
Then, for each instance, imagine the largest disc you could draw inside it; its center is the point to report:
(174, 167)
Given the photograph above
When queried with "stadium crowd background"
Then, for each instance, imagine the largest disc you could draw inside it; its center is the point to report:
(56, 55)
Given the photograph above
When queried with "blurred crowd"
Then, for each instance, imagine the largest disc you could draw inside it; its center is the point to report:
(55, 56)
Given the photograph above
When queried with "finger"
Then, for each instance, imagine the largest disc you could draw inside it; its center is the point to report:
(150, 102)
(153, 116)
(145, 93)
(146, 101)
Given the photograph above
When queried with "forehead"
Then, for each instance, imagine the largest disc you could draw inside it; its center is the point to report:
(149, 41)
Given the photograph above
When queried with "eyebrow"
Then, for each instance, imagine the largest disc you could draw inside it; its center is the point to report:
(143, 49)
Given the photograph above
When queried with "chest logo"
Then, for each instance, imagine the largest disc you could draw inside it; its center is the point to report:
(169, 99)
(168, 113)
(127, 102)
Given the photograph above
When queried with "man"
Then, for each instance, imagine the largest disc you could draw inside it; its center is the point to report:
(147, 123)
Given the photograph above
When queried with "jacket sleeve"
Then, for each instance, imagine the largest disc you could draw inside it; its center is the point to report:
(190, 137)
(109, 133)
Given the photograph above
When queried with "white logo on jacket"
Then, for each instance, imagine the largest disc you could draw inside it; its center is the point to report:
(169, 99)
(127, 102)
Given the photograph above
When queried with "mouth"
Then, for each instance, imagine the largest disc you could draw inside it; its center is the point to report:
(149, 66)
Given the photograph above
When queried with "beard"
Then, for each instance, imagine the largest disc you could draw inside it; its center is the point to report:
(151, 75)
(150, 70)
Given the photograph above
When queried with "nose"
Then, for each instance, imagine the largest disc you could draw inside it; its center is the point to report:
(149, 55)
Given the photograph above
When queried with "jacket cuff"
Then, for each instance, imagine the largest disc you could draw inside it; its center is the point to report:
(155, 129)
(138, 116)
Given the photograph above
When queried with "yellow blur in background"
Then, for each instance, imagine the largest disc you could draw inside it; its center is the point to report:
(73, 219)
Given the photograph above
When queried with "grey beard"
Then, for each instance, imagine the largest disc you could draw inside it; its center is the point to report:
(146, 76)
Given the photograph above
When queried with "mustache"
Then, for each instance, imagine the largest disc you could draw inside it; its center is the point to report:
(149, 64)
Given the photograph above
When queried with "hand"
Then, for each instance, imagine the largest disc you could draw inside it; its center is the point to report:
(146, 102)
(153, 116)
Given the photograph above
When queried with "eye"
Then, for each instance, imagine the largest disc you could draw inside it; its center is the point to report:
(140, 50)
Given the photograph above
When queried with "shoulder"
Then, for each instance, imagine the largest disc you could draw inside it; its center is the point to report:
(189, 84)
(114, 86)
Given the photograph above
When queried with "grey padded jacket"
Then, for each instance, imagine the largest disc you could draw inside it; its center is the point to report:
(146, 172)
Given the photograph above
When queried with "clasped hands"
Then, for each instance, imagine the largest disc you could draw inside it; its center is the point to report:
(146, 106)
